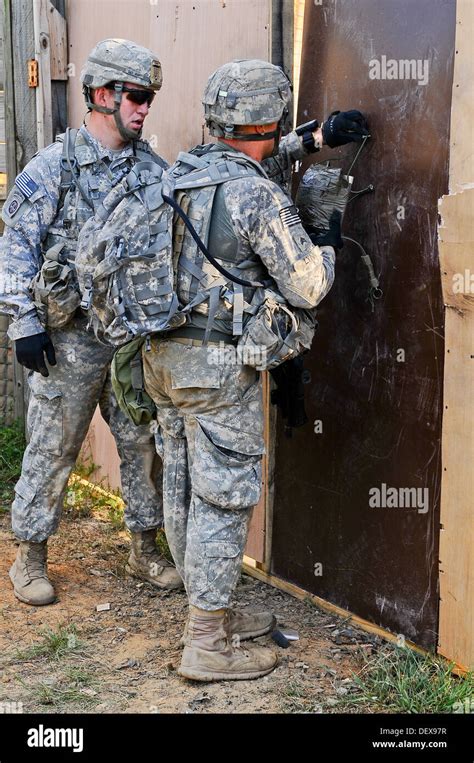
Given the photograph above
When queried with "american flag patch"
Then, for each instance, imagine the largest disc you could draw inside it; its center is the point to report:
(289, 216)
(26, 184)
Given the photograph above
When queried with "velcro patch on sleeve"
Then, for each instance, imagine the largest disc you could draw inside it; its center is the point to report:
(289, 216)
(15, 206)
(26, 184)
(15, 199)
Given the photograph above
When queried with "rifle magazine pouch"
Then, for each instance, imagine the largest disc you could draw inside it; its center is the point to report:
(275, 333)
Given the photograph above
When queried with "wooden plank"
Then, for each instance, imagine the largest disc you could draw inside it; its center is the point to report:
(258, 530)
(58, 43)
(22, 34)
(59, 86)
(99, 446)
(456, 246)
(15, 93)
(180, 33)
(9, 97)
(299, 6)
(44, 118)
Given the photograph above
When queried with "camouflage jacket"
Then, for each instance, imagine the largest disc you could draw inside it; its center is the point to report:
(252, 228)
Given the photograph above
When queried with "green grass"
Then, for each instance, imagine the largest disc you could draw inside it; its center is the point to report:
(400, 680)
(77, 686)
(61, 695)
(12, 446)
(162, 545)
(82, 498)
(54, 644)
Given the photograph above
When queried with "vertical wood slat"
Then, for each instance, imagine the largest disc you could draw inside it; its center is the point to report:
(456, 245)
(58, 43)
(23, 97)
(59, 66)
(44, 118)
(20, 115)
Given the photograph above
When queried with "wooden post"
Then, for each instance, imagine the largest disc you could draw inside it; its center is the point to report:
(14, 92)
(44, 117)
(456, 250)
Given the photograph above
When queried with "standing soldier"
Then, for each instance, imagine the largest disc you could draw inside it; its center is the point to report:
(211, 415)
(51, 200)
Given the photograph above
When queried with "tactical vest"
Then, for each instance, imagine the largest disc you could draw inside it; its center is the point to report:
(85, 181)
(200, 287)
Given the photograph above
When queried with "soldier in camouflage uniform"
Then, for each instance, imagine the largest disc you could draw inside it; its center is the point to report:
(211, 414)
(50, 202)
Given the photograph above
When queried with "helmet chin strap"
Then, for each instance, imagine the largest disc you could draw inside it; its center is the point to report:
(124, 132)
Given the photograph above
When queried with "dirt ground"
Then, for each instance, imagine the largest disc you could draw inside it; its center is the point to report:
(68, 657)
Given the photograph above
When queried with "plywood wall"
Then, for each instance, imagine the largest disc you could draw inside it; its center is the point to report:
(375, 399)
(191, 39)
(456, 245)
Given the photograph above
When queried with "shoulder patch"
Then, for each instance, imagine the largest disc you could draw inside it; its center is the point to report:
(26, 184)
(289, 216)
(14, 201)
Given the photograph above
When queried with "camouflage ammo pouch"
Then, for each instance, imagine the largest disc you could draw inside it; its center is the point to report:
(127, 383)
(276, 332)
(55, 290)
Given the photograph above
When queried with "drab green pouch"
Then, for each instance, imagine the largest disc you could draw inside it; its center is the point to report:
(128, 385)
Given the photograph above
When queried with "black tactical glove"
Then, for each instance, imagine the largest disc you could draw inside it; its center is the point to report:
(331, 237)
(343, 127)
(30, 352)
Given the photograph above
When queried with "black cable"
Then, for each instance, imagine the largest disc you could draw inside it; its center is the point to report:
(203, 248)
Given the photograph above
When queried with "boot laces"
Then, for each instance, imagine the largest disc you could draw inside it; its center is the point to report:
(35, 563)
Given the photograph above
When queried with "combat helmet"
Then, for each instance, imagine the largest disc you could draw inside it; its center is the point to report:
(119, 61)
(246, 92)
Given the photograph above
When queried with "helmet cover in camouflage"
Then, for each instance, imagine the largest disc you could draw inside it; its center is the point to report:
(116, 60)
(245, 92)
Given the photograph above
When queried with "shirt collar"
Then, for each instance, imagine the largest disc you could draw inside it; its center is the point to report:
(102, 151)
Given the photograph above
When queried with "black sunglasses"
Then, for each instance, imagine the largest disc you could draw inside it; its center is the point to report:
(137, 96)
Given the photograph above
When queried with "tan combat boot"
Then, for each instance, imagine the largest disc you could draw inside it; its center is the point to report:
(245, 625)
(211, 654)
(146, 563)
(29, 574)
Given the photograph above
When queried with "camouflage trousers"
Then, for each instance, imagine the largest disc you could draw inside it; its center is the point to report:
(60, 410)
(211, 439)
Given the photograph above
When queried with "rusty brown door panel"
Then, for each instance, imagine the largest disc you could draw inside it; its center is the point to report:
(376, 376)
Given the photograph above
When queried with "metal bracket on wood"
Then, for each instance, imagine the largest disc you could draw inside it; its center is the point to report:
(32, 73)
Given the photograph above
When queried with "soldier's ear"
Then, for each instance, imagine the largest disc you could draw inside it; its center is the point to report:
(100, 96)
(261, 129)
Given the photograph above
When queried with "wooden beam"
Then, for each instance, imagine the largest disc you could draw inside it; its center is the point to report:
(456, 254)
(23, 50)
(58, 43)
(44, 117)
(13, 90)
(59, 84)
